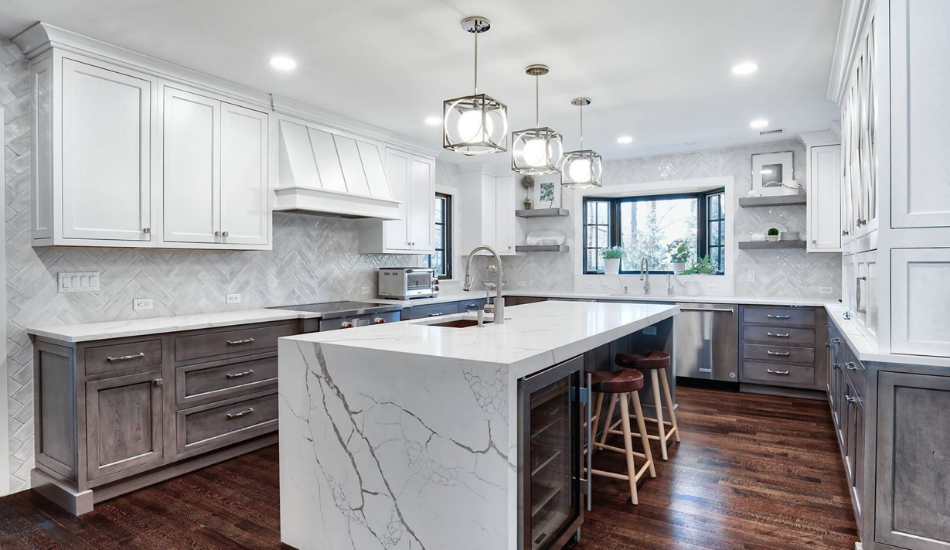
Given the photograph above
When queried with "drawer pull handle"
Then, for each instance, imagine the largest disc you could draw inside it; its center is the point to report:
(778, 353)
(850, 366)
(435, 314)
(849, 399)
(778, 316)
(125, 357)
(236, 342)
(781, 372)
(157, 381)
(778, 335)
(239, 374)
(232, 416)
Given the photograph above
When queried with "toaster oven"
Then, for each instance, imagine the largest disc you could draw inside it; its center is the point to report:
(406, 283)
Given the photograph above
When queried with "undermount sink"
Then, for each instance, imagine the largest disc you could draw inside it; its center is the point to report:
(458, 323)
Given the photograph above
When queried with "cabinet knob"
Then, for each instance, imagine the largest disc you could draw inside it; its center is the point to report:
(146, 230)
(217, 233)
(157, 381)
(224, 233)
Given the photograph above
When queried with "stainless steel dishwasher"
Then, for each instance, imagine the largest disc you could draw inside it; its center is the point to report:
(706, 337)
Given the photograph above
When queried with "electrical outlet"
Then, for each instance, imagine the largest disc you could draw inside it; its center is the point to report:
(712, 287)
(522, 283)
(366, 290)
(750, 276)
(141, 303)
(825, 290)
(649, 331)
(589, 285)
(234, 298)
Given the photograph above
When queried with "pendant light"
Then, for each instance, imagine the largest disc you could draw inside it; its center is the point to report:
(582, 168)
(476, 124)
(536, 151)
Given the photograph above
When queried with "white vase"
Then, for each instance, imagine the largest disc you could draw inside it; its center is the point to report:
(679, 268)
(612, 266)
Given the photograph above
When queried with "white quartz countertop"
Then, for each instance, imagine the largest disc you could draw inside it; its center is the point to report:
(867, 351)
(136, 327)
(744, 300)
(533, 337)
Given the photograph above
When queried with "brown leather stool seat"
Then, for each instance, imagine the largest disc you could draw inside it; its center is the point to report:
(618, 381)
(653, 360)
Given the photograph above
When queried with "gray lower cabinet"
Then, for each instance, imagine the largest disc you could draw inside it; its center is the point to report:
(115, 415)
(782, 347)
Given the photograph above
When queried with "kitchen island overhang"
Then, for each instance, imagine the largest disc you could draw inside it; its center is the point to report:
(404, 435)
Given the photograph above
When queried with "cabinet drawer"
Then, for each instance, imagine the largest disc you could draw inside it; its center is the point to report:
(230, 342)
(216, 425)
(477, 303)
(421, 312)
(778, 335)
(123, 358)
(778, 374)
(219, 380)
(778, 353)
(779, 316)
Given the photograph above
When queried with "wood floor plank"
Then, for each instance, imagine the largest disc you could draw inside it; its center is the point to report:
(753, 472)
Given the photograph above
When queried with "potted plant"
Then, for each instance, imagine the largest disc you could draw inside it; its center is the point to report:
(705, 266)
(678, 256)
(527, 183)
(773, 235)
(612, 257)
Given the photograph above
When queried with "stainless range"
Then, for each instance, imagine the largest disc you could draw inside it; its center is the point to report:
(340, 315)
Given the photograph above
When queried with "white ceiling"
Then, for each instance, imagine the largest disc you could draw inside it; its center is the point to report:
(659, 71)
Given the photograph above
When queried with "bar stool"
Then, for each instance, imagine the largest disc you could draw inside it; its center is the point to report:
(622, 385)
(656, 362)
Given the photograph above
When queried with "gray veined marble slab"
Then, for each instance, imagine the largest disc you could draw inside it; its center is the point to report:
(403, 436)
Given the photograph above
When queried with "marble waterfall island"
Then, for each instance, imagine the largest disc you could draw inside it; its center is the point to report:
(404, 435)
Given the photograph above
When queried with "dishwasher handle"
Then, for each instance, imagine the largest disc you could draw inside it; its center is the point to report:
(714, 310)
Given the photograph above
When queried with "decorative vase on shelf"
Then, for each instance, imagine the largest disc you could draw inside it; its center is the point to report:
(679, 268)
(527, 206)
(612, 266)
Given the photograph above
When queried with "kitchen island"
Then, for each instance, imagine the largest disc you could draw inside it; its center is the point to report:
(406, 435)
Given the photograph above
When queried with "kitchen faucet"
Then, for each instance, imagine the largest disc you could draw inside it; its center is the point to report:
(669, 285)
(645, 274)
(499, 308)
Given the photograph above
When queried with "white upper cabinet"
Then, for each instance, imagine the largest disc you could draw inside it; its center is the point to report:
(487, 205)
(505, 221)
(920, 85)
(215, 177)
(823, 154)
(411, 179)
(192, 167)
(92, 160)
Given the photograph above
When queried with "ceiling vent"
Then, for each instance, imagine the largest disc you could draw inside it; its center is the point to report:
(772, 132)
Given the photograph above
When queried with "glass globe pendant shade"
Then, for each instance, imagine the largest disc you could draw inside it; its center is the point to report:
(536, 151)
(582, 169)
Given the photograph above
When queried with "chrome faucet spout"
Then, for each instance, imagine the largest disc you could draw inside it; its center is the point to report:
(499, 307)
(645, 274)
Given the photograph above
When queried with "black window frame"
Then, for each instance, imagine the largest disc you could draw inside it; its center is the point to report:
(447, 234)
(614, 226)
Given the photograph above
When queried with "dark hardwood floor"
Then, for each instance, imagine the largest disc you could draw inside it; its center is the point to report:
(752, 472)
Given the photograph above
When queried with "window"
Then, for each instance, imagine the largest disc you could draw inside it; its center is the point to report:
(441, 261)
(646, 226)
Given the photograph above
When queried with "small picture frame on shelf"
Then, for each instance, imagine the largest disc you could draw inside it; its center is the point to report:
(773, 174)
(549, 195)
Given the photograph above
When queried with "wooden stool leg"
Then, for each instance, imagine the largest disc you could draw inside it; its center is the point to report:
(658, 403)
(610, 414)
(628, 447)
(595, 419)
(641, 425)
(669, 405)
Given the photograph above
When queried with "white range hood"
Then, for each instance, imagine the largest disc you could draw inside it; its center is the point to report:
(329, 173)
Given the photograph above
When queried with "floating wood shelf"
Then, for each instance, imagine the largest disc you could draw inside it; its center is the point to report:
(542, 213)
(781, 200)
(542, 248)
(765, 245)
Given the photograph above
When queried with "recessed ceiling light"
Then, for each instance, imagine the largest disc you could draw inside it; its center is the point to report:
(624, 140)
(759, 123)
(743, 69)
(433, 120)
(283, 63)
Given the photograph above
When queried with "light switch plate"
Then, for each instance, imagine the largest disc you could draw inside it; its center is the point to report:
(712, 287)
(825, 290)
(589, 286)
(141, 303)
(750, 276)
(233, 298)
(522, 283)
(79, 282)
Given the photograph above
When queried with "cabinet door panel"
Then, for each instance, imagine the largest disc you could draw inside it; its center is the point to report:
(192, 161)
(825, 207)
(919, 301)
(243, 175)
(123, 423)
(421, 203)
(106, 140)
(505, 214)
(396, 232)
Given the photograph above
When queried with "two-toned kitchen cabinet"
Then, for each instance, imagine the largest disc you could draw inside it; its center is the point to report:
(125, 157)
